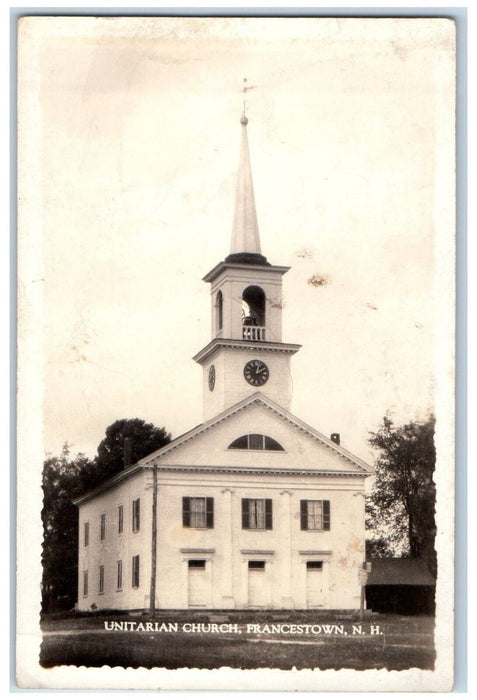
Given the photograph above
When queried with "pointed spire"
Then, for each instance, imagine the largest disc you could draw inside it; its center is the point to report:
(245, 237)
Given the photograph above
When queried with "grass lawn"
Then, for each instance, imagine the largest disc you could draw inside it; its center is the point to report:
(403, 642)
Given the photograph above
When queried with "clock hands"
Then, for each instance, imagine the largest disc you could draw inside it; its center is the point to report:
(256, 372)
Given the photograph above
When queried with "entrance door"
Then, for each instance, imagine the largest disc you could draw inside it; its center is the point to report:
(257, 588)
(199, 584)
(315, 593)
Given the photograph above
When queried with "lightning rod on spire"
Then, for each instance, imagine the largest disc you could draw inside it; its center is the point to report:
(245, 88)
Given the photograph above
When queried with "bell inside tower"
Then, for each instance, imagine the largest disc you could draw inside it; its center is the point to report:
(253, 314)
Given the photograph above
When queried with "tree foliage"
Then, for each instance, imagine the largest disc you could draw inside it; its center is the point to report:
(400, 509)
(65, 478)
(126, 442)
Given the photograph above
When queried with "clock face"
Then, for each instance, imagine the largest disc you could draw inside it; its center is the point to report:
(211, 377)
(256, 372)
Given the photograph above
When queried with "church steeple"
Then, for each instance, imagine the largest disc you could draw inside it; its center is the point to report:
(245, 236)
(245, 246)
(246, 352)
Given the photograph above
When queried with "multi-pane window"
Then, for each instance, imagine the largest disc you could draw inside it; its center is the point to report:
(255, 441)
(119, 575)
(135, 571)
(257, 513)
(315, 515)
(102, 526)
(120, 519)
(198, 512)
(136, 515)
(101, 579)
(85, 583)
(86, 534)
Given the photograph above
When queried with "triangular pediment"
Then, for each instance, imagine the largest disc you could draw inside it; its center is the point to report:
(304, 448)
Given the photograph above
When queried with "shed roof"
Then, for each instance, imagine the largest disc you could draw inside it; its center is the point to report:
(399, 572)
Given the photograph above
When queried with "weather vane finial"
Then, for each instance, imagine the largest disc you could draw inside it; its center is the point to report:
(243, 119)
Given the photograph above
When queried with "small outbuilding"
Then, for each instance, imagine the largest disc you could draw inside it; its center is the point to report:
(403, 586)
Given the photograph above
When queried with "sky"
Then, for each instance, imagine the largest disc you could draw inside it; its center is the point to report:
(136, 126)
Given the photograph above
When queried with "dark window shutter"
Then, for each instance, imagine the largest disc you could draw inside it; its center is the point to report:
(268, 514)
(326, 515)
(186, 511)
(210, 512)
(244, 513)
(304, 515)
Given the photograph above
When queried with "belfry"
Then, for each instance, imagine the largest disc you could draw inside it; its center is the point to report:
(246, 304)
(253, 508)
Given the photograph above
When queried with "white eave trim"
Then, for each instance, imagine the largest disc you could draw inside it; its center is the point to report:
(217, 343)
(260, 471)
(259, 398)
(222, 265)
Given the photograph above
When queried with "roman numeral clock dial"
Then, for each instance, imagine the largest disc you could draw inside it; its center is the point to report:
(256, 372)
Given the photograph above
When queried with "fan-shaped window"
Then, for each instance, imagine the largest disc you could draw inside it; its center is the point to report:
(254, 441)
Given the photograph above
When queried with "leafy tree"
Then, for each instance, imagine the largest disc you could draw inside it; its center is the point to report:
(378, 547)
(127, 441)
(401, 506)
(65, 478)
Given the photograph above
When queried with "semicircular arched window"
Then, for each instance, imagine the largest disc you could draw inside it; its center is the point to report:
(254, 441)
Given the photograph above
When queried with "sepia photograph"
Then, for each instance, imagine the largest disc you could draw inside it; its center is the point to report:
(236, 252)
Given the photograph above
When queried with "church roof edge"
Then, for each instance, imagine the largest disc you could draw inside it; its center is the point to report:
(215, 343)
(148, 461)
(258, 397)
(223, 264)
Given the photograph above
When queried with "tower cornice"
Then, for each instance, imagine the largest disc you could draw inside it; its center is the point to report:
(224, 265)
(217, 343)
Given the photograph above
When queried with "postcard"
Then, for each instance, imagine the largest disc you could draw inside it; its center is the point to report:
(236, 252)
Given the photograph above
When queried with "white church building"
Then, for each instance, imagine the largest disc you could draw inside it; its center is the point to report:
(251, 509)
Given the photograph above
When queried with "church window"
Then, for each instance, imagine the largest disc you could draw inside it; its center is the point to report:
(255, 441)
(314, 565)
(256, 513)
(315, 515)
(120, 519)
(197, 512)
(86, 534)
(136, 515)
(255, 564)
(101, 579)
(196, 563)
(119, 575)
(219, 311)
(85, 583)
(135, 571)
(102, 527)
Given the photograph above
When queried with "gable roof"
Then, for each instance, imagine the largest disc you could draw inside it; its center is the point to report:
(399, 572)
(261, 400)
(358, 466)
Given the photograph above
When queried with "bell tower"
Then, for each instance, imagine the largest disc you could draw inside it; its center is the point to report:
(246, 353)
